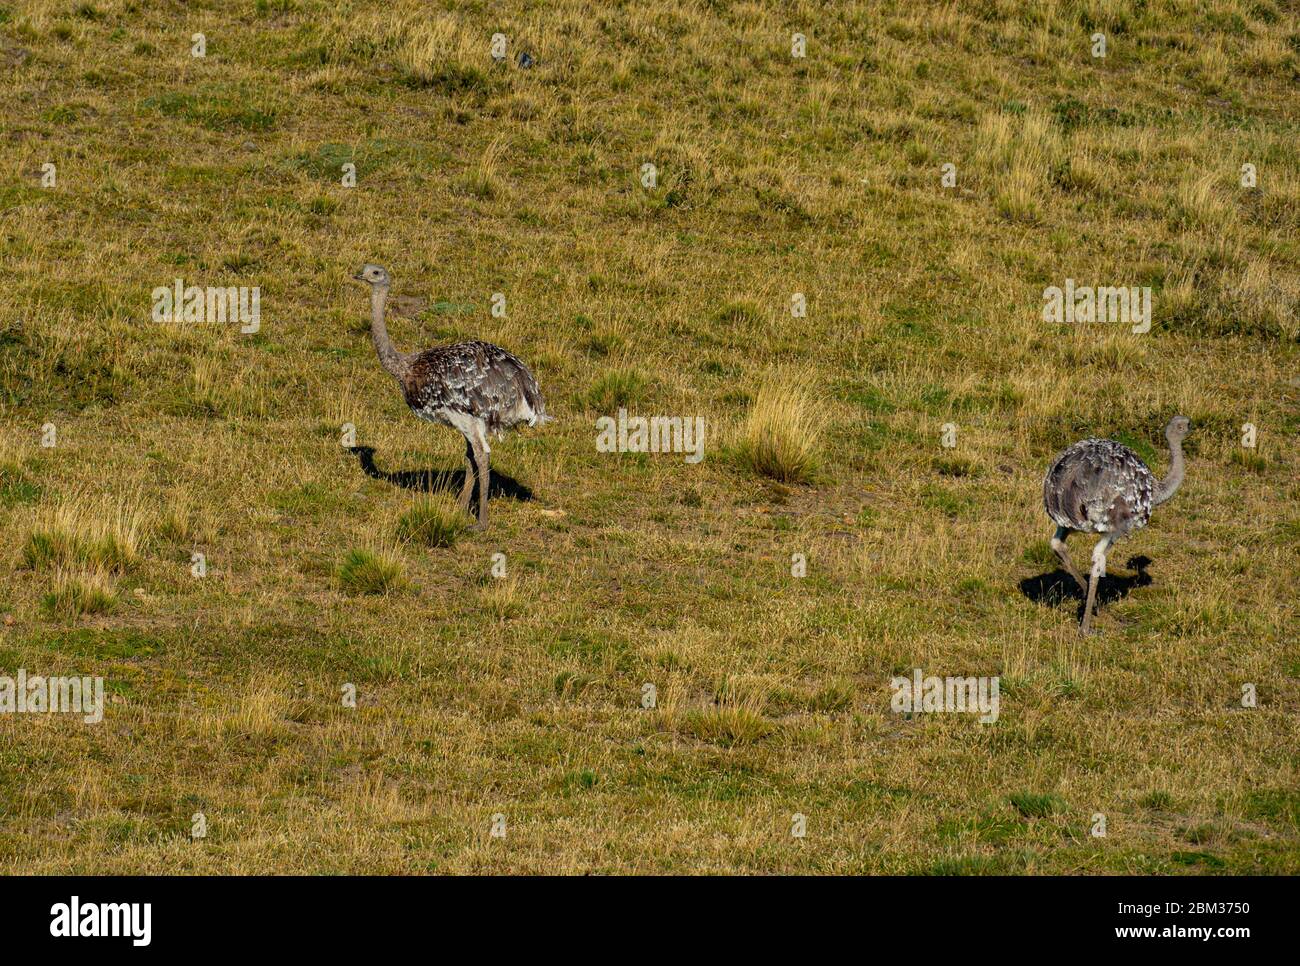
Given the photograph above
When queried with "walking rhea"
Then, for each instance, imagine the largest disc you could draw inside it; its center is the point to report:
(1101, 486)
(475, 388)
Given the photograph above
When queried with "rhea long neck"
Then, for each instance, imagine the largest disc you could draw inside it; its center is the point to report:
(389, 357)
(1174, 478)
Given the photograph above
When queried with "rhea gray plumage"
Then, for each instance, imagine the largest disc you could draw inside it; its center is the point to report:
(1101, 486)
(477, 388)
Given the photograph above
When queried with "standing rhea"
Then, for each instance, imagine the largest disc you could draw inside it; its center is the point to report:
(1100, 486)
(474, 387)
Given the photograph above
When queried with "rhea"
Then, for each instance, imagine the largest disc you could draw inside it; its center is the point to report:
(1101, 486)
(476, 388)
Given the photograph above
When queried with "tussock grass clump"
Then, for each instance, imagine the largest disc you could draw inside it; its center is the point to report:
(1263, 301)
(967, 865)
(1016, 154)
(1039, 554)
(1266, 55)
(739, 313)
(956, 466)
(485, 180)
(205, 382)
(80, 531)
(1122, 352)
(617, 389)
(729, 724)
(262, 712)
(1212, 68)
(1198, 202)
(80, 592)
(185, 520)
(15, 486)
(371, 571)
(501, 599)
(737, 716)
(1249, 459)
(434, 53)
(1080, 173)
(570, 684)
(1035, 805)
(782, 433)
(434, 521)
(686, 174)
(438, 54)
(1159, 800)
(11, 459)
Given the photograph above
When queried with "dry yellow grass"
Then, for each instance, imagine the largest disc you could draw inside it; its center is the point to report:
(81, 529)
(781, 433)
(524, 695)
(86, 590)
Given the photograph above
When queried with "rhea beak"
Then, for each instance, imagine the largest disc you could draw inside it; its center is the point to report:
(358, 277)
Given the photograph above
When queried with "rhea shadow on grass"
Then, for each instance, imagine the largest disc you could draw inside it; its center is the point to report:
(432, 481)
(1058, 587)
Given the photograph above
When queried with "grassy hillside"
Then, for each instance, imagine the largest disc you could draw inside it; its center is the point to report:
(521, 695)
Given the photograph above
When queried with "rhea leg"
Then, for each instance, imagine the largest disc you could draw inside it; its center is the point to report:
(467, 490)
(482, 462)
(1058, 544)
(1098, 571)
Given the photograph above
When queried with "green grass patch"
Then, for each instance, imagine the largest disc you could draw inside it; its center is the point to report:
(371, 572)
(1036, 805)
(433, 521)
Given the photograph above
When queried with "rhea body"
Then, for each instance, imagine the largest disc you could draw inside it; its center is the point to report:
(1101, 486)
(476, 388)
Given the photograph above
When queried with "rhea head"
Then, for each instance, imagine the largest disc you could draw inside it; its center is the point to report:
(373, 275)
(1178, 426)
